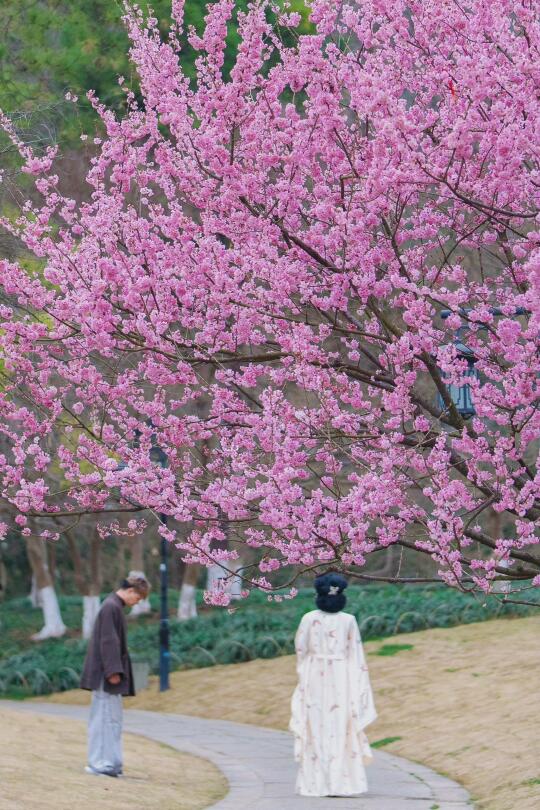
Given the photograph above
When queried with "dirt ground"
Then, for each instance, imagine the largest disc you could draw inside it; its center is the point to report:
(463, 700)
(42, 765)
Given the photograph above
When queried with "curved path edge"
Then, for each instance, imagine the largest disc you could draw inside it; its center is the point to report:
(258, 764)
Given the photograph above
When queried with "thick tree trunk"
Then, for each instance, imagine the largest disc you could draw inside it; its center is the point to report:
(53, 626)
(34, 593)
(216, 572)
(187, 605)
(50, 549)
(91, 600)
(95, 565)
(37, 557)
(88, 586)
(91, 606)
(234, 583)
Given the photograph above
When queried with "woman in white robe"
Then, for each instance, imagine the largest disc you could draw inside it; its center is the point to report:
(333, 702)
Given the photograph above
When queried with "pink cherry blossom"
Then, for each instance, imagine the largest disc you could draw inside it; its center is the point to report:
(255, 282)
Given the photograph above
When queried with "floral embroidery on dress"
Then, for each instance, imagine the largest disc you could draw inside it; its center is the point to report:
(331, 706)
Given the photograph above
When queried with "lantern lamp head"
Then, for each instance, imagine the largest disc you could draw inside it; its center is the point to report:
(461, 395)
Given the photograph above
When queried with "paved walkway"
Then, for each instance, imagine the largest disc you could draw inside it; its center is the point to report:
(259, 766)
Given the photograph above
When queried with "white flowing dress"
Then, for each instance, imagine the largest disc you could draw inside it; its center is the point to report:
(331, 706)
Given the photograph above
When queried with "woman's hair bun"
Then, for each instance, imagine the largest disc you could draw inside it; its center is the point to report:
(330, 597)
(333, 581)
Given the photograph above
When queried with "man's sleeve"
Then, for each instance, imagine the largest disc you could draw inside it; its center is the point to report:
(109, 643)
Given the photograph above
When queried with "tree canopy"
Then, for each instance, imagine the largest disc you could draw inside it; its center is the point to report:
(255, 285)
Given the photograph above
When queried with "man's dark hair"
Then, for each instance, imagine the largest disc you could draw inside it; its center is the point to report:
(137, 581)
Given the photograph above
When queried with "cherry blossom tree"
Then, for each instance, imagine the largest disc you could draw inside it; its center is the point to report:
(255, 285)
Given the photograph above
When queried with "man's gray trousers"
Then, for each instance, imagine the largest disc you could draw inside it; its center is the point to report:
(105, 733)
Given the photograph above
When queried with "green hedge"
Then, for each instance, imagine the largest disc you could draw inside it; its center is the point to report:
(255, 629)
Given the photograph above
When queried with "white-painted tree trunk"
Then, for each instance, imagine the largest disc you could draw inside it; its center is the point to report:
(213, 575)
(91, 606)
(53, 626)
(187, 606)
(34, 593)
(504, 586)
(142, 608)
(234, 584)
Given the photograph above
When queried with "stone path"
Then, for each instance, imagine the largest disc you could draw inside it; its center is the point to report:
(259, 766)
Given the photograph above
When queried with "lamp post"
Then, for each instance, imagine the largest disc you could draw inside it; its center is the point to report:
(461, 394)
(158, 456)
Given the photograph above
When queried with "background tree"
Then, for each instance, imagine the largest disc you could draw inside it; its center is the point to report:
(299, 226)
(50, 47)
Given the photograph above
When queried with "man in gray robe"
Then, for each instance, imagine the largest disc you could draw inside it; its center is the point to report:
(107, 673)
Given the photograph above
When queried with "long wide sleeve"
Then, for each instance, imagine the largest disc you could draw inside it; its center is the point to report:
(331, 706)
(364, 710)
(297, 722)
(301, 642)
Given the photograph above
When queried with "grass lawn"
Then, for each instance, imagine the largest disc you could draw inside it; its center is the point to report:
(42, 766)
(463, 700)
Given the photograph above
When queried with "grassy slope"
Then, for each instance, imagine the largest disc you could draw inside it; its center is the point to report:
(49, 774)
(463, 700)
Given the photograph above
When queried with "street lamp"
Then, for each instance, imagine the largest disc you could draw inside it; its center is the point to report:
(158, 456)
(461, 395)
